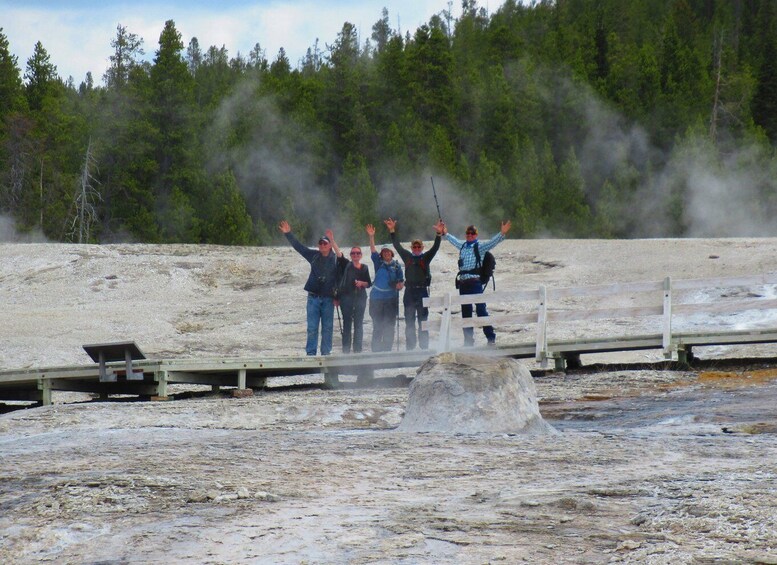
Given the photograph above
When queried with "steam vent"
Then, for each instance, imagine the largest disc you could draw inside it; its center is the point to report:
(465, 393)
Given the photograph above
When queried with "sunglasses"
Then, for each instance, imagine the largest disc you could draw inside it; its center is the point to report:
(417, 246)
(356, 252)
(472, 233)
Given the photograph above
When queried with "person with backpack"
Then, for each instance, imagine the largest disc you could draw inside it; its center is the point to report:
(472, 254)
(320, 286)
(418, 278)
(384, 295)
(354, 278)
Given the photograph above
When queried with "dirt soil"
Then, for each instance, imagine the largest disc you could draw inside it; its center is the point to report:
(652, 465)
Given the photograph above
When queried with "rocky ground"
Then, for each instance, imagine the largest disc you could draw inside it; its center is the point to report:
(652, 465)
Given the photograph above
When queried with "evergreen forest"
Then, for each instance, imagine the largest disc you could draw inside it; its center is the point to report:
(571, 118)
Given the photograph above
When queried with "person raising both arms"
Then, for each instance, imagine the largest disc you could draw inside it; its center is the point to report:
(384, 295)
(471, 252)
(417, 280)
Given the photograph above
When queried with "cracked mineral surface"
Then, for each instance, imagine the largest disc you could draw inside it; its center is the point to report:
(651, 465)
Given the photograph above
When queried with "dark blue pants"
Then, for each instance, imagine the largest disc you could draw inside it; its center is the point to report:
(384, 316)
(320, 312)
(474, 286)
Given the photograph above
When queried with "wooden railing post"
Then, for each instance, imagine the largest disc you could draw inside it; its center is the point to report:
(444, 343)
(241, 379)
(666, 342)
(161, 383)
(541, 351)
(44, 386)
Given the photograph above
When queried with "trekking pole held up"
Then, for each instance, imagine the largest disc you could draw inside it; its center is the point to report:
(436, 203)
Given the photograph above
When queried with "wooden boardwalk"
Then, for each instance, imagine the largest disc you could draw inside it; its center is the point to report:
(658, 306)
(37, 385)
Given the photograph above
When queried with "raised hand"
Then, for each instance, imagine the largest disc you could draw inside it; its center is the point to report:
(331, 235)
(439, 227)
(505, 227)
(390, 224)
(284, 226)
(370, 230)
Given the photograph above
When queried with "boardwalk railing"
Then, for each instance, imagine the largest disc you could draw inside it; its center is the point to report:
(671, 315)
(655, 306)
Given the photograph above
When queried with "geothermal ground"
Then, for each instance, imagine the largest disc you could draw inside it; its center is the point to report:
(653, 464)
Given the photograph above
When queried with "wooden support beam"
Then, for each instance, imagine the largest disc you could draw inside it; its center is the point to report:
(44, 385)
(161, 383)
(542, 335)
(331, 379)
(365, 377)
(667, 334)
(241, 379)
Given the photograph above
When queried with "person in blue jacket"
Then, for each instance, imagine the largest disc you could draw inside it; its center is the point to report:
(320, 286)
(384, 295)
(469, 277)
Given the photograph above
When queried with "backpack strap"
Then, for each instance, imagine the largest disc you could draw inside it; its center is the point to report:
(344, 278)
(478, 262)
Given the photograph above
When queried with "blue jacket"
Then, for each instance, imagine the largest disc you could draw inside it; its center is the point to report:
(384, 287)
(467, 259)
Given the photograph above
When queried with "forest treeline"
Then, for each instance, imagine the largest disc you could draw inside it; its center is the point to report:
(573, 118)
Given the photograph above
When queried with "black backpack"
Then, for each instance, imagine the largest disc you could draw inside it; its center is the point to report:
(418, 261)
(487, 266)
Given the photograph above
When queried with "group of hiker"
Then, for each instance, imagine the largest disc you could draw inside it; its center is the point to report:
(335, 281)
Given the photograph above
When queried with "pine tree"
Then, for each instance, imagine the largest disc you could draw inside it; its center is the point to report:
(765, 99)
(430, 68)
(11, 87)
(41, 76)
(227, 221)
(357, 194)
(14, 151)
(127, 47)
(381, 32)
(177, 184)
(342, 106)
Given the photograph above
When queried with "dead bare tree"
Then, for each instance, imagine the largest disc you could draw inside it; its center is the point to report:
(718, 53)
(86, 197)
(733, 90)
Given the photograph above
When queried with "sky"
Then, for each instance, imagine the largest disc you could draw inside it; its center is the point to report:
(77, 33)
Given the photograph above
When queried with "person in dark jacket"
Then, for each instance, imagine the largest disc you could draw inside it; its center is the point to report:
(384, 296)
(354, 279)
(417, 280)
(320, 286)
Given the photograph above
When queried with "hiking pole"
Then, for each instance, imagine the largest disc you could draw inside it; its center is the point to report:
(339, 323)
(397, 320)
(436, 203)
